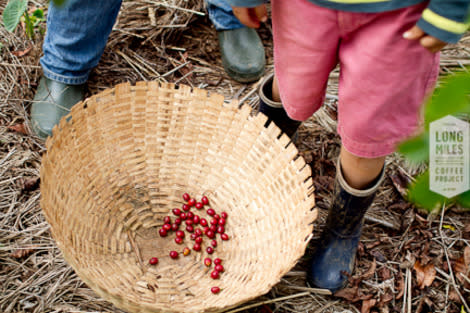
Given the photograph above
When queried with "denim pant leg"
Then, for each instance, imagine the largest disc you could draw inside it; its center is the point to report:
(76, 36)
(221, 15)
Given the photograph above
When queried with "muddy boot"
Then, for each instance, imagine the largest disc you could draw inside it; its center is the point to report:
(51, 102)
(336, 249)
(242, 53)
(274, 110)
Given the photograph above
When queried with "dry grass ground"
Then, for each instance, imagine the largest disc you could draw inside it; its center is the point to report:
(408, 261)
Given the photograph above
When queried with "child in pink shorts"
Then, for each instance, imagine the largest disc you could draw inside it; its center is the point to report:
(388, 52)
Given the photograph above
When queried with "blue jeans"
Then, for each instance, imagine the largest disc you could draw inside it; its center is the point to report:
(78, 31)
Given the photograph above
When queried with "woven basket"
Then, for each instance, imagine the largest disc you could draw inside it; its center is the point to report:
(120, 162)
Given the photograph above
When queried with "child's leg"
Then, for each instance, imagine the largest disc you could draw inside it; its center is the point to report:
(276, 94)
(360, 172)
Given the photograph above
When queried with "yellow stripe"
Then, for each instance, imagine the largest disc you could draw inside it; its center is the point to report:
(444, 23)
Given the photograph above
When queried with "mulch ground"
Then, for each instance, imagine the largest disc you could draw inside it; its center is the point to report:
(408, 261)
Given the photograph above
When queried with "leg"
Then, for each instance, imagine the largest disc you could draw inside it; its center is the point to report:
(360, 172)
(242, 51)
(76, 36)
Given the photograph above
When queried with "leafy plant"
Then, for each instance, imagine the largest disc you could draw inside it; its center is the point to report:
(452, 97)
(16, 10)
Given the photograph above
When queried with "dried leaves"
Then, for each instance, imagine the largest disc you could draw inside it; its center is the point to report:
(19, 128)
(22, 252)
(425, 274)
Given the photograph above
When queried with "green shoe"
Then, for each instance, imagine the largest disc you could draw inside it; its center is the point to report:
(51, 102)
(242, 52)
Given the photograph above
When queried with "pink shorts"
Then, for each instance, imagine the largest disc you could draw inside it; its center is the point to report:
(384, 78)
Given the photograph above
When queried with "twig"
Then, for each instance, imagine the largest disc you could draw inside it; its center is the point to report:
(136, 250)
(166, 5)
(20, 65)
(254, 305)
(323, 308)
(451, 274)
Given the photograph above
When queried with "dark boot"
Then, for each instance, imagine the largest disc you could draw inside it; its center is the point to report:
(336, 249)
(274, 110)
(242, 53)
(51, 102)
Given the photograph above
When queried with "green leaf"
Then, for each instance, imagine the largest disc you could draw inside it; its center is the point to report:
(13, 12)
(464, 199)
(420, 194)
(449, 98)
(39, 13)
(416, 149)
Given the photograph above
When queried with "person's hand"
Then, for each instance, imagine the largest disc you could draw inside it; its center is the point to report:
(251, 17)
(431, 43)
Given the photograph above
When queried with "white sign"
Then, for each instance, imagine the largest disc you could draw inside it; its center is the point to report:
(449, 156)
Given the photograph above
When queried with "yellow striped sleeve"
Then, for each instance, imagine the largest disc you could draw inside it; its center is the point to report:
(444, 23)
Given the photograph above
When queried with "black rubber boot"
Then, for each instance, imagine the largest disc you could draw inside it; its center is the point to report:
(336, 249)
(51, 102)
(274, 110)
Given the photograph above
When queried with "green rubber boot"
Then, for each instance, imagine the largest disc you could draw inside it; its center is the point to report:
(52, 101)
(242, 52)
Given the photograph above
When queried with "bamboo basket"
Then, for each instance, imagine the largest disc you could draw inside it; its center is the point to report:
(120, 162)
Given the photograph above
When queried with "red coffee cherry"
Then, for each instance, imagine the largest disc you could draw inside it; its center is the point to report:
(198, 240)
(190, 228)
(221, 221)
(179, 240)
(190, 215)
(217, 261)
(219, 268)
(185, 207)
(196, 219)
(167, 220)
(186, 196)
(199, 205)
(224, 215)
(213, 228)
(174, 254)
(224, 236)
(214, 243)
(176, 212)
(204, 200)
(203, 222)
(153, 261)
(197, 247)
(210, 234)
(180, 234)
(198, 232)
(178, 220)
(215, 274)
(210, 250)
(162, 232)
(175, 227)
(215, 290)
(210, 212)
(220, 229)
(191, 202)
(214, 221)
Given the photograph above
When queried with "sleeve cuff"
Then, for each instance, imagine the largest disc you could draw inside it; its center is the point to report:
(441, 27)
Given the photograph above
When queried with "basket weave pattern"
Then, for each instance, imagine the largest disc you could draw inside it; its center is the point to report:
(120, 161)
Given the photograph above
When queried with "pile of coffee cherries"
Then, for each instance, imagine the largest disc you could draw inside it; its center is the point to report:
(188, 221)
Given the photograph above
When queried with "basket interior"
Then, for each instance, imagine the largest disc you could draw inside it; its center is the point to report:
(121, 160)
